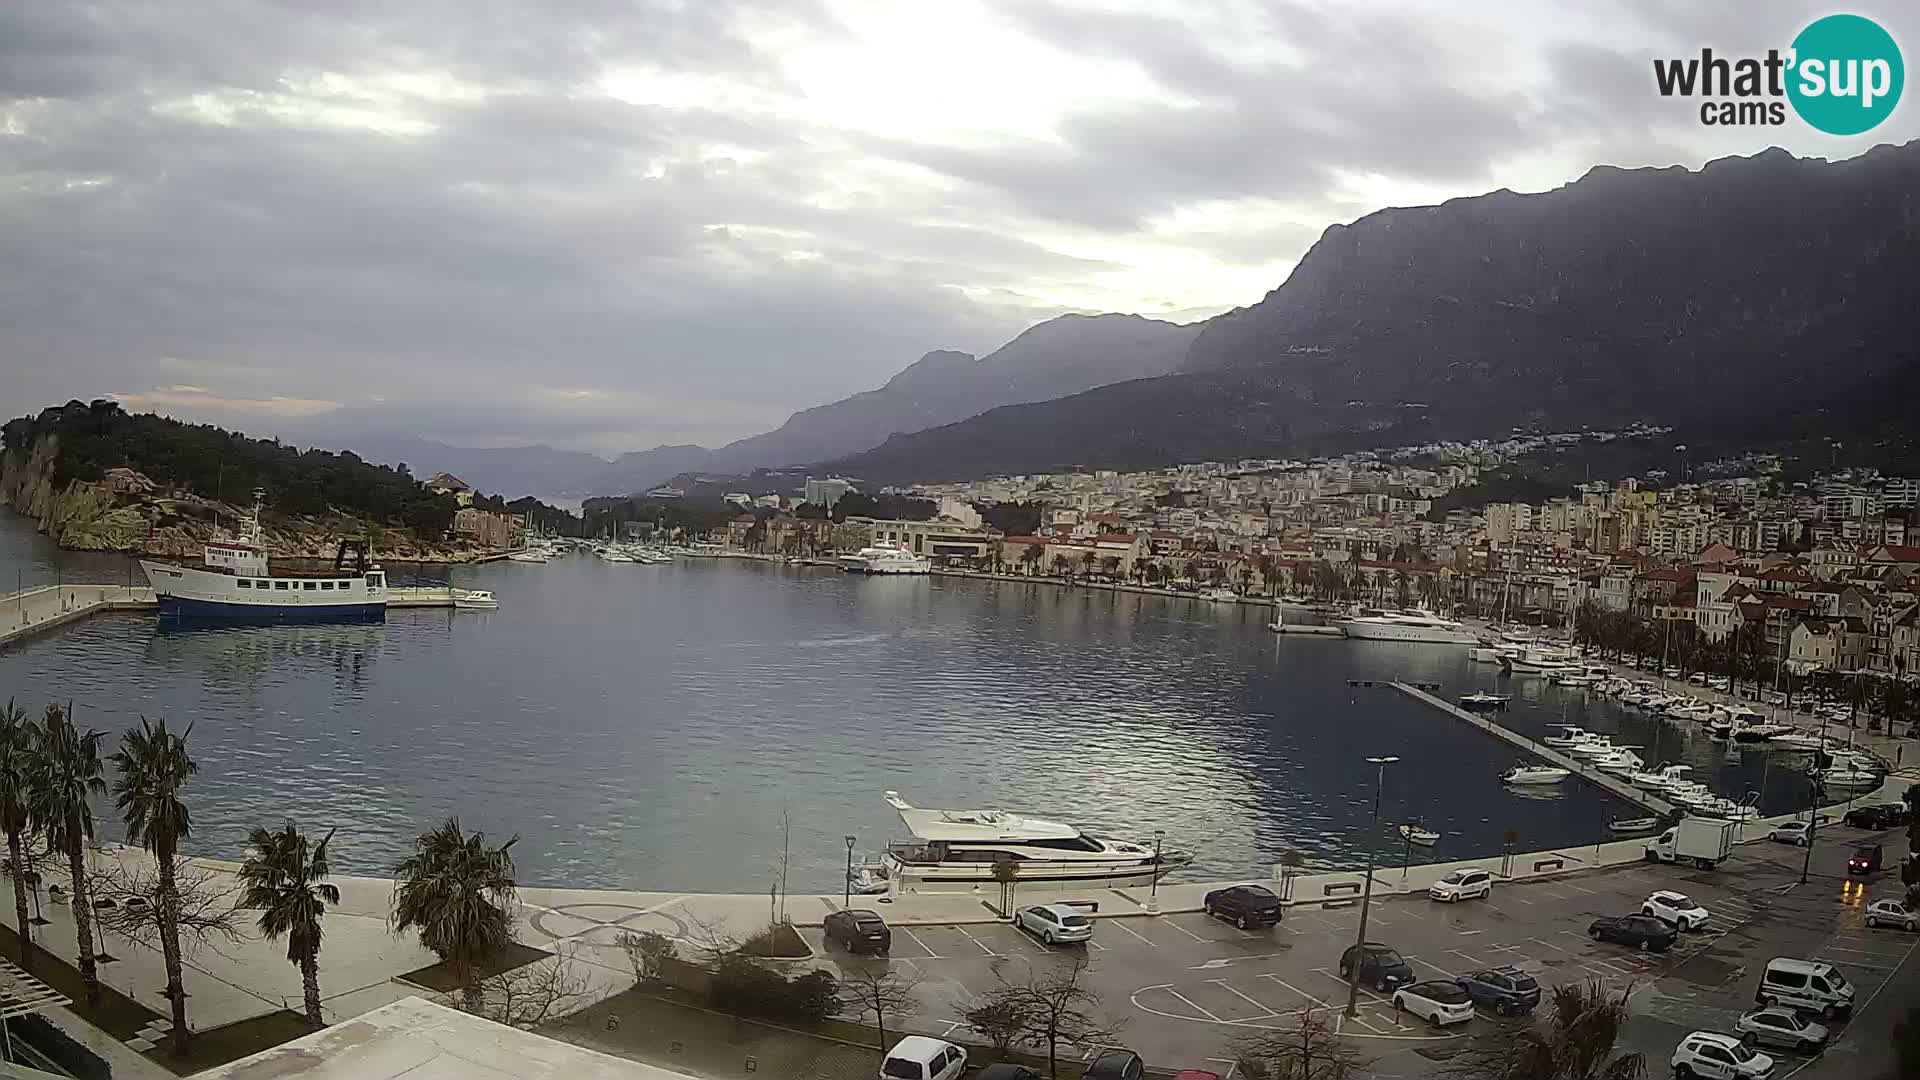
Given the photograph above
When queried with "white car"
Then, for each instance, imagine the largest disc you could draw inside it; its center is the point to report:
(1676, 908)
(918, 1057)
(1719, 1057)
(1462, 885)
(1054, 924)
(1438, 1001)
(1791, 832)
(1782, 1027)
(1892, 913)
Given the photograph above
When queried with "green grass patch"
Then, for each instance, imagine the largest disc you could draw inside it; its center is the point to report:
(208, 1049)
(440, 976)
(117, 1014)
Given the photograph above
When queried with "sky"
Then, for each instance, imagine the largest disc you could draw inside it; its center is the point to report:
(610, 224)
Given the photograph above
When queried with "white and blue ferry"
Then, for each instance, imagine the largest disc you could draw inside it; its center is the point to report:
(235, 582)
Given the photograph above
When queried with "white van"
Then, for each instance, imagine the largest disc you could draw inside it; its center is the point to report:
(917, 1057)
(1807, 985)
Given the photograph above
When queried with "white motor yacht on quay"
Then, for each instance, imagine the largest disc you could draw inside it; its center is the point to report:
(956, 850)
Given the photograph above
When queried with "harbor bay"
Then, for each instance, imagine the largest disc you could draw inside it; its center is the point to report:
(648, 726)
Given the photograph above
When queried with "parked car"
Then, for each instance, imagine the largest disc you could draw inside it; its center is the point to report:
(1877, 817)
(858, 930)
(1640, 931)
(1245, 906)
(1780, 1027)
(1007, 1071)
(1437, 1001)
(1892, 913)
(1791, 832)
(1055, 924)
(1462, 884)
(918, 1057)
(1807, 985)
(1506, 990)
(1676, 908)
(1380, 966)
(1719, 1057)
(1865, 860)
(1115, 1065)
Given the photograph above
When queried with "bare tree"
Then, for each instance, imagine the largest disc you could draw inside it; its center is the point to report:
(529, 996)
(998, 1020)
(710, 942)
(648, 952)
(880, 993)
(1308, 1050)
(126, 899)
(1054, 1008)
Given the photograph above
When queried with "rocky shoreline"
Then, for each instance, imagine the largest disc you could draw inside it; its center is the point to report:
(126, 512)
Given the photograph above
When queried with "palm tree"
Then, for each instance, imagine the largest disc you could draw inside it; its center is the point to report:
(65, 776)
(16, 770)
(454, 889)
(282, 878)
(153, 767)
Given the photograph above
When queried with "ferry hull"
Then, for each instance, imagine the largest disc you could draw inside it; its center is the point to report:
(1420, 635)
(182, 608)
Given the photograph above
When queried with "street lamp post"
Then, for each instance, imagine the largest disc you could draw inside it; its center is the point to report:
(1366, 890)
(846, 888)
(1153, 884)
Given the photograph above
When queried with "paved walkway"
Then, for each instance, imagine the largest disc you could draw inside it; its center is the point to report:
(33, 611)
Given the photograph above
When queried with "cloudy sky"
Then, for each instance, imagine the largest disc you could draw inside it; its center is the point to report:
(608, 224)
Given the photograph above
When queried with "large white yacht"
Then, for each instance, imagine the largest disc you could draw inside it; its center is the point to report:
(1409, 624)
(235, 582)
(956, 850)
(885, 560)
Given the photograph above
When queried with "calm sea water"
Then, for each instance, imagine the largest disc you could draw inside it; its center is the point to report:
(647, 727)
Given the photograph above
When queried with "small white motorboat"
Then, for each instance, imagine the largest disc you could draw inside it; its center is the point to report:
(1220, 596)
(1594, 746)
(1416, 833)
(530, 555)
(1570, 735)
(475, 600)
(1844, 777)
(1535, 774)
(1481, 699)
(1622, 762)
(1638, 824)
(1797, 740)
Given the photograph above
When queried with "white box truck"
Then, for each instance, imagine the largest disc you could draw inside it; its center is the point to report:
(1703, 841)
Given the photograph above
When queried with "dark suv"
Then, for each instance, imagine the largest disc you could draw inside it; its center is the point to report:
(1245, 906)
(1116, 1065)
(1380, 966)
(1875, 818)
(1507, 990)
(859, 930)
(1640, 931)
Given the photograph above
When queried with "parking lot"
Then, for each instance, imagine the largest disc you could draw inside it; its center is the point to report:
(1184, 987)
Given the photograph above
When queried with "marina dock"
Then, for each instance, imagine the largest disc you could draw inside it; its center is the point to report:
(1565, 761)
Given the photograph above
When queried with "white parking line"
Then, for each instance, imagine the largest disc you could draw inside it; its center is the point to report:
(1468, 957)
(1296, 990)
(1364, 992)
(1188, 932)
(931, 955)
(984, 947)
(1470, 933)
(1121, 925)
(1444, 973)
(1268, 1009)
(1196, 1008)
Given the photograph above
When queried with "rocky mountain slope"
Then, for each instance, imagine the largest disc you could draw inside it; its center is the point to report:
(1752, 289)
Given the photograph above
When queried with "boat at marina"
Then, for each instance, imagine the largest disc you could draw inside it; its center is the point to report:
(1482, 700)
(1633, 825)
(1414, 625)
(1484, 654)
(885, 560)
(235, 581)
(1799, 740)
(1570, 735)
(1220, 596)
(1849, 775)
(475, 600)
(1758, 733)
(956, 850)
(529, 555)
(1622, 762)
(1415, 833)
(1535, 774)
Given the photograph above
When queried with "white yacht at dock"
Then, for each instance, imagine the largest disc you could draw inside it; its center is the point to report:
(956, 851)
(886, 560)
(1408, 625)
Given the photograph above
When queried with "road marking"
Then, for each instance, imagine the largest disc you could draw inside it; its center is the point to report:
(1859, 1008)
(1364, 992)
(1229, 1063)
(1576, 888)
(1120, 925)
(1443, 971)
(1092, 944)
(1857, 964)
(1515, 948)
(983, 945)
(1188, 932)
(1468, 957)
(931, 955)
(1470, 933)
(1296, 990)
(1194, 1007)
(1268, 1009)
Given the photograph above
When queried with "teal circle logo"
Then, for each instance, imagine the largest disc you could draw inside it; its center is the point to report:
(1846, 76)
